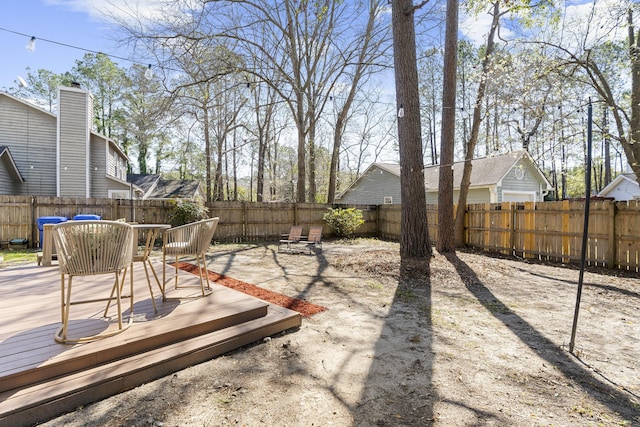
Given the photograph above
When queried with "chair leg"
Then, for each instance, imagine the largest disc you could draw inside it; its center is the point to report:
(106, 310)
(176, 272)
(61, 334)
(62, 300)
(164, 276)
(146, 272)
(118, 302)
(206, 271)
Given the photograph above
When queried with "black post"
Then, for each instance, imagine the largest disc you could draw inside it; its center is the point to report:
(585, 233)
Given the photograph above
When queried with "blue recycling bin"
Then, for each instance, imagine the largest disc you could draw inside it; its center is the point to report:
(48, 220)
(86, 217)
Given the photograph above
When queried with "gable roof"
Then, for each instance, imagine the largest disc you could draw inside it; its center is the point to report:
(485, 171)
(155, 187)
(627, 178)
(392, 168)
(10, 164)
(175, 189)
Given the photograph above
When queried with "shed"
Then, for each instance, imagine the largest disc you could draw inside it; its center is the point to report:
(624, 187)
(510, 177)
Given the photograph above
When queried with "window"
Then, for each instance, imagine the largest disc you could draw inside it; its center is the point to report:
(388, 200)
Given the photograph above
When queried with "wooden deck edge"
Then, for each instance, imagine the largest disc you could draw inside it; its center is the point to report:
(141, 341)
(47, 400)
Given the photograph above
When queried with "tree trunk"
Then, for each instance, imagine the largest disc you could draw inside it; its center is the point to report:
(446, 241)
(207, 152)
(475, 130)
(415, 248)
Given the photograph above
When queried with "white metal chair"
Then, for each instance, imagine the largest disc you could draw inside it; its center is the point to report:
(188, 240)
(89, 248)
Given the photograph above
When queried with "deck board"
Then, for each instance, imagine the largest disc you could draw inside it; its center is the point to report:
(37, 372)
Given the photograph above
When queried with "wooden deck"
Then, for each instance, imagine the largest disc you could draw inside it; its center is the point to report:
(40, 379)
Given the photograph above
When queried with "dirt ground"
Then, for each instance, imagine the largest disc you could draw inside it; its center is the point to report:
(485, 345)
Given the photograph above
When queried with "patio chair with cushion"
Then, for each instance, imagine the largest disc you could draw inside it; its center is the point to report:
(295, 235)
(89, 248)
(188, 240)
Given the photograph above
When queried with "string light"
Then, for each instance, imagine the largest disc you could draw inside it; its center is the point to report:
(148, 74)
(401, 111)
(31, 46)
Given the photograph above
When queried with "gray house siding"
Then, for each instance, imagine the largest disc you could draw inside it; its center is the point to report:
(475, 195)
(522, 178)
(512, 177)
(98, 169)
(108, 168)
(372, 188)
(74, 127)
(30, 135)
(7, 185)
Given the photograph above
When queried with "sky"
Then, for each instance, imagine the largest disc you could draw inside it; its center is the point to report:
(72, 22)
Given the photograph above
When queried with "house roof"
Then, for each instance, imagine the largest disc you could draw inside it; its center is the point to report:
(175, 189)
(155, 187)
(629, 178)
(486, 170)
(10, 164)
(146, 182)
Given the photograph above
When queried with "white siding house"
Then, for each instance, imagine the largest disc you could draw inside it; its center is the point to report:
(511, 177)
(624, 187)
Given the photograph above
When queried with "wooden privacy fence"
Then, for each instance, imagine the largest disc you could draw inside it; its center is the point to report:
(547, 231)
(553, 231)
(239, 221)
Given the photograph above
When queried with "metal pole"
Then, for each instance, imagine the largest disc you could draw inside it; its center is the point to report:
(585, 233)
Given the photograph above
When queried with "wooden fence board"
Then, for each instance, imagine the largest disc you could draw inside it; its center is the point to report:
(547, 231)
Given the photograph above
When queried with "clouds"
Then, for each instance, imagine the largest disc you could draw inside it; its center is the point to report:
(123, 10)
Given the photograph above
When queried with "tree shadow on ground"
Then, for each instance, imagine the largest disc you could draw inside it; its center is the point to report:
(406, 397)
(572, 368)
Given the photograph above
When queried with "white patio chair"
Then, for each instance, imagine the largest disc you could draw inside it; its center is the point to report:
(188, 240)
(89, 248)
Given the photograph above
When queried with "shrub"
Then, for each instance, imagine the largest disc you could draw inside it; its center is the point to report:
(186, 211)
(343, 222)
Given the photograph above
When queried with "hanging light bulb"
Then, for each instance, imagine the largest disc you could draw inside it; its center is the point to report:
(31, 46)
(148, 74)
(401, 111)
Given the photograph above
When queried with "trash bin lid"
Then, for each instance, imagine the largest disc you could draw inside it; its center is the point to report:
(85, 217)
(51, 219)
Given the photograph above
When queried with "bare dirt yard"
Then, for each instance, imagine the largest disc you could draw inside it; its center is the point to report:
(486, 344)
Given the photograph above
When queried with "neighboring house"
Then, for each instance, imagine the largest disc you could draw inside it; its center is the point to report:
(624, 187)
(46, 154)
(511, 177)
(153, 186)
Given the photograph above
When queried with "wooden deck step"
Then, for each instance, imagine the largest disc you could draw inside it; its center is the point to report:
(139, 338)
(44, 400)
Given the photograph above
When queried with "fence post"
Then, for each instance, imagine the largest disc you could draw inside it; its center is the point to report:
(566, 238)
(613, 243)
(512, 232)
(529, 229)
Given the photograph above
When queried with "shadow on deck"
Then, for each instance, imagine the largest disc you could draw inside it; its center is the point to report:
(40, 379)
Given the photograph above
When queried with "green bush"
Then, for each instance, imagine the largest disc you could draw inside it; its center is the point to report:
(343, 222)
(186, 211)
